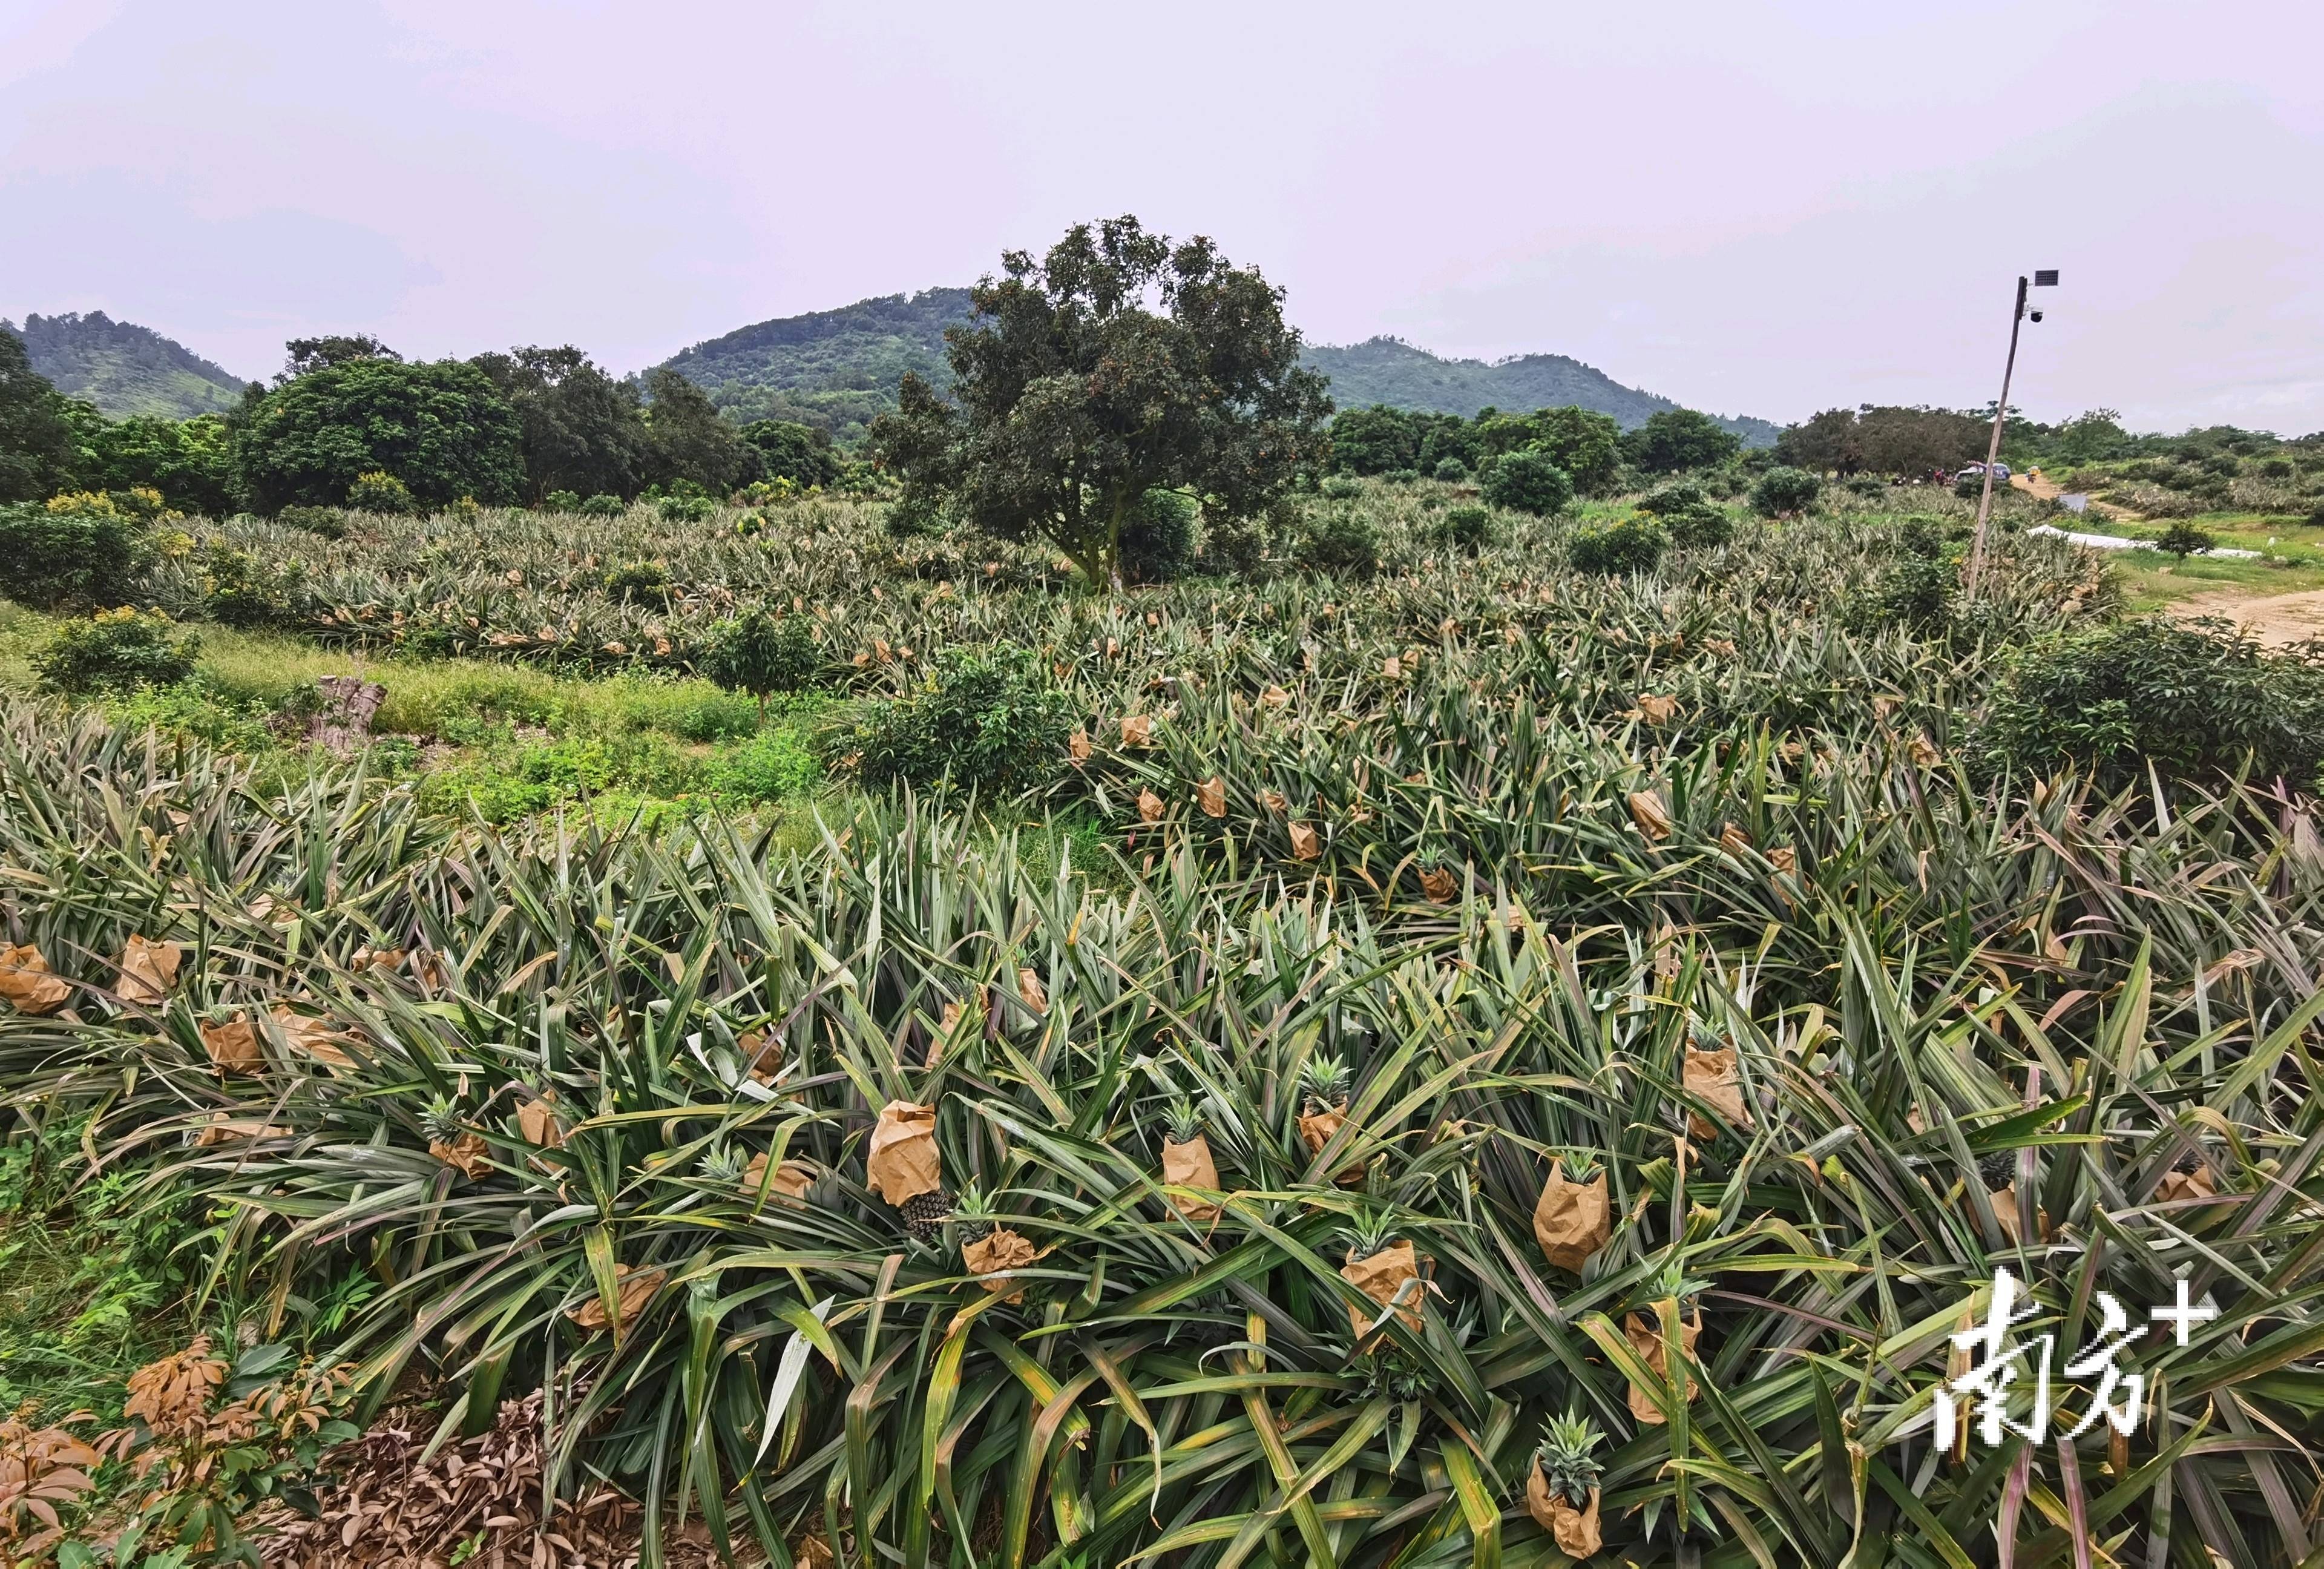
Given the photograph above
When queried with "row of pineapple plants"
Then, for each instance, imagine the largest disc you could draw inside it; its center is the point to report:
(891, 1201)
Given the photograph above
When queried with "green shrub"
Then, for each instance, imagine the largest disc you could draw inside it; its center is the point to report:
(68, 561)
(1158, 537)
(639, 583)
(1915, 591)
(1968, 486)
(560, 501)
(762, 654)
(2188, 700)
(1341, 488)
(1784, 493)
(602, 505)
(1451, 470)
(1341, 541)
(2184, 540)
(774, 765)
(239, 590)
(114, 651)
(329, 522)
(983, 719)
(380, 492)
(1527, 482)
(1628, 545)
(1694, 521)
(1462, 527)
(685, 509)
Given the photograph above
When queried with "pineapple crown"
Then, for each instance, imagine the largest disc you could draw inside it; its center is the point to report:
(1323, 1081)
(1670, 1284)
(1567, 1466)
(975, 1212)
(1373, 1230)
(1997, 1168)
(724, 1165)
(1184, 1122)
(441, 1119)
(1581, 1165)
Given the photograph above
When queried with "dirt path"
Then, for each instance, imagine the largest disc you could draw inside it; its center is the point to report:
(2049, 490)
(2277, 620)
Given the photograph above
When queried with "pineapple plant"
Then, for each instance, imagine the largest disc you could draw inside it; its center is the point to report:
(1323, 1084)
(972, 1213)
(724, 1166)
(1567, 1465)
(440, 1121)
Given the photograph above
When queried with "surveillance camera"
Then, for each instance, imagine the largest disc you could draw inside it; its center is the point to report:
(2037, 315)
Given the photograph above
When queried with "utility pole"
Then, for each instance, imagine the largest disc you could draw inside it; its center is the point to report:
(2046, 277)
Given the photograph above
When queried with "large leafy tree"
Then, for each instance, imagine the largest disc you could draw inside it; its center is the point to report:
(1826, 443)
(190, 461)
(1676, 438)
(583, 431)
(38, 454)
(692, 440)
(440, 427)
(1117, 365)
(798, 453)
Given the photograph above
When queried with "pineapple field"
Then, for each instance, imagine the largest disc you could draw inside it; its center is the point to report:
(1399, 1049)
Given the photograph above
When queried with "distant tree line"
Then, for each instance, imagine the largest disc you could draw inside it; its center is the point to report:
(499, 428)
(1591, 448)
(1887, 440)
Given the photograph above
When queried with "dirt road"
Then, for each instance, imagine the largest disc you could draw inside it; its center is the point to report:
(2050, 489)
(2277, 620)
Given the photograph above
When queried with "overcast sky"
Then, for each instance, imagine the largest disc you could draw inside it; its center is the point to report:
(1762, 209)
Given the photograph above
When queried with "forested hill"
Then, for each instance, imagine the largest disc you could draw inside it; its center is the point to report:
(835, 369)
(126, 369)
(1387, 370)
(831, 369)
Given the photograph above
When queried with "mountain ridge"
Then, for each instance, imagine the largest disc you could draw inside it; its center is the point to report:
(124, 368)
(836, 369)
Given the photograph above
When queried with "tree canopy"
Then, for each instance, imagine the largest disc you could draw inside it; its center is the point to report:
(692, 440)
(802, 454)
(440, 427)
(582, 430)
(38, 457)
(1117, 365)
(1883, 440)
(1677, 438)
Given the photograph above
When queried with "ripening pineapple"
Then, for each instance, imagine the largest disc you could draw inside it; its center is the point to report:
(925, 1214)
(1323, 1083)
(440, 1122)
(1999, 1169)
(1563, 1455)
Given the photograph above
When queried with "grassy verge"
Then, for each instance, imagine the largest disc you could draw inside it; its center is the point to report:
(509, 739)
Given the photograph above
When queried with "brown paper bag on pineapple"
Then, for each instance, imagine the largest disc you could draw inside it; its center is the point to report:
(312, 1038)
(1574, 1530)
(904, 1161)
(233, 1048)
(632, 1290)
(998, 1250)
(148, 971)
(2178, 1185)
(1645, 1337)
(1712, 1077)
(28, 984)
(1189, 1164)
(1571, 1220)
(1380, 1275)
(790, 1182)
(536, 1121)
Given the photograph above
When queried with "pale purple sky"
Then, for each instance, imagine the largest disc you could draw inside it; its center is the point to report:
(1761, 208)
